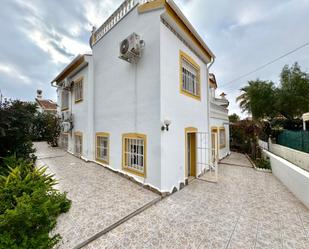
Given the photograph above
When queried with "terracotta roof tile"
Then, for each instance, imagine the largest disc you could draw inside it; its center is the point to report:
(47, 104)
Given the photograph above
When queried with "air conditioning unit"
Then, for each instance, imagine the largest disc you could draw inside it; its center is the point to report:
(66, 116)
(131, 48)
(66, 127)
(67, 84)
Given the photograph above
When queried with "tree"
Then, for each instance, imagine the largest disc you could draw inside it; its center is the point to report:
(53, 129)
(16, 119)
(289, 100)
(46, 127)
(258, 98)
(234, 118)
(292, 96)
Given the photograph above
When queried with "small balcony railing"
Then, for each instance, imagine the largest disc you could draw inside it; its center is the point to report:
(121, 12)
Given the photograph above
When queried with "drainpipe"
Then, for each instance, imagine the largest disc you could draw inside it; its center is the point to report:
(208, 110)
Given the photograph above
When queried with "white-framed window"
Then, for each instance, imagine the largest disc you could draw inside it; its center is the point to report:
(222, 137)
(102, 147)
(134, 153)
(190, 76)
(64, 100)
(78, 90)
(78, 143)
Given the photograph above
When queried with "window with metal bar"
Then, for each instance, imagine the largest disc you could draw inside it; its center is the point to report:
(190, 76)
(64, 140)
(134, 153)
(64, 100)
(78, 90)
(78, 144)
(102, 147)
(222, 138)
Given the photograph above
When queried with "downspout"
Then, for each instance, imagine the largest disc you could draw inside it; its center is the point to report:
(53, 85)
(208, 111)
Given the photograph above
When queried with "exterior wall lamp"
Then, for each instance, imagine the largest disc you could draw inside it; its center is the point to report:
(166, 124)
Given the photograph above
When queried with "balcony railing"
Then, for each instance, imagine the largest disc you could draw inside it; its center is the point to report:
(121, 12)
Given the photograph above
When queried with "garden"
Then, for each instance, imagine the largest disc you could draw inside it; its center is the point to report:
(29, 201)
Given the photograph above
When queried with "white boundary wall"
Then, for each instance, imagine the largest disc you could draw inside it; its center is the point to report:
(293, 177)
(299, 158)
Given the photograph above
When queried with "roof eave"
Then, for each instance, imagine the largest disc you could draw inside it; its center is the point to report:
(74, 64)
(172, 4)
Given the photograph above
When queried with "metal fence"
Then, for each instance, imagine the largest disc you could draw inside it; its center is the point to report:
(298, 140)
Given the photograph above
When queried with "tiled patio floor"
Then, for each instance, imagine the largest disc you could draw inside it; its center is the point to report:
(245, 209)
(99, 197)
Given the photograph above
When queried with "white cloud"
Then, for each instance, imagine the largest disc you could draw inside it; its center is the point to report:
(14, 73)
(243, 35)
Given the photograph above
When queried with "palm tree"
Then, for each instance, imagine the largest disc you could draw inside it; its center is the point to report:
(257, 98)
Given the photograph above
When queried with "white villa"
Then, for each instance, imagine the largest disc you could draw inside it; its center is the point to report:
(142, 103)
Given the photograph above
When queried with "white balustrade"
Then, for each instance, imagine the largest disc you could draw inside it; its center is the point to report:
(123, 9)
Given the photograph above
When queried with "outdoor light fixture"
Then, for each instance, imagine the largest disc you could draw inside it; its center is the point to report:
(166, 124)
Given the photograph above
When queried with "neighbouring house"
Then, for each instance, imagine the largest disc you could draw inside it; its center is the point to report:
(219, 121)
(45, 105)
(140, 102)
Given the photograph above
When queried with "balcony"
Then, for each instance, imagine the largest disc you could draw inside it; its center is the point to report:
(118, 15)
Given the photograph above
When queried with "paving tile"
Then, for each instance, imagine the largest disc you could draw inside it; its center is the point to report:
(99, 197)
(245, 209)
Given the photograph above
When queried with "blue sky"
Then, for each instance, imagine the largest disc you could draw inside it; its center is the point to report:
(39, 37)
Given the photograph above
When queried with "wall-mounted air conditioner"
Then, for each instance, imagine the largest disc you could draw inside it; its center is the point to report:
(66, 116)
(66, 127)
(131, 48)
(67, 84)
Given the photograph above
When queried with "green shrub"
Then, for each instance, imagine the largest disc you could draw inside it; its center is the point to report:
(29, 206)
(46, 127)
(262, 163)
(16, 119)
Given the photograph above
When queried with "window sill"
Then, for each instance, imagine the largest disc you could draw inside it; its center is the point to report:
(132, 171)
(197, 97)
(102, 161)
(78, 101)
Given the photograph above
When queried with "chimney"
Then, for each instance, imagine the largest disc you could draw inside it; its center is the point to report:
(39, 94)
(223, 95)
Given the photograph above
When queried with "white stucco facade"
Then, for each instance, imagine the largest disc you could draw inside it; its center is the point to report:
(121, 97)
(219, 120)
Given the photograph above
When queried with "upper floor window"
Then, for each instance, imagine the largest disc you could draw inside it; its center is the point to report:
(189, 76)
(64, 100)
(102, 147)
(78, 90)
(134, 153)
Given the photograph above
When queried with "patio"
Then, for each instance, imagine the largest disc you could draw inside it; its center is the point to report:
(99, 197)
(245, 209)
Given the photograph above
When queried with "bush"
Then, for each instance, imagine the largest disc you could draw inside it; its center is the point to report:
(262, 163)
(16, 119)
(29, 206)
(46, 127)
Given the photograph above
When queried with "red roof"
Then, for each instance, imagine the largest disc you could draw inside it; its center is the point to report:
(46, 104)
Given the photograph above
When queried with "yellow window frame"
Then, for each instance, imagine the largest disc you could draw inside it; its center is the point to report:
(78, 134)
(65, 108)
(105, 135)
(134, 136)
(80, 80)
(191, 61)
(223, 145)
